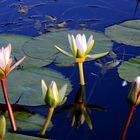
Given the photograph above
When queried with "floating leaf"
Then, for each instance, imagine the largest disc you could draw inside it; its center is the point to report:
(130, 69)
(102, 44)
(42, 47)
(26, 83)
(14, 136)
(127, 32)
(16, 41)
(27, 121)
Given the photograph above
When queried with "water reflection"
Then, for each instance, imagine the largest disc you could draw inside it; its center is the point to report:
(136, 8)
(79, 110)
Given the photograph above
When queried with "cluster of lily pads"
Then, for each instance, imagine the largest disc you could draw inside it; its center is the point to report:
(42, 50)
(53, 98)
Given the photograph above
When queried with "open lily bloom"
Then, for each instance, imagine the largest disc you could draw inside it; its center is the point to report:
(6, 61)
(51, 95)
(80, 48)
(134, 93)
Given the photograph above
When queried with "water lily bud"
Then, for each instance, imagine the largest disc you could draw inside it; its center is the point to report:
(134, 93)
(2, 127)
(6, 61)
(52, 96)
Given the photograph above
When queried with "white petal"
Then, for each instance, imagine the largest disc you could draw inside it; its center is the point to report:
(44, 88)
(54, 90)
(84, 42)
(137, 80)
(79, 37)
(89, 40)
(62, 92)
(79, 43)
(2, 61)
(7, 53)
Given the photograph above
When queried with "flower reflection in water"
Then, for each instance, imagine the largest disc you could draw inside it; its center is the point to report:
(79, 110)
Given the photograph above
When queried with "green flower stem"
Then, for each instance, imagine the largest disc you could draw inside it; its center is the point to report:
(47, 121)
(81, 73)
(10, 112)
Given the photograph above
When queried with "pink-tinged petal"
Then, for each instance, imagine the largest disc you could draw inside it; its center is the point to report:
(7, 53)
(89, 40)
(7, 68)
(2, 61)
(137, 80)
(10, 61)
(17, 63)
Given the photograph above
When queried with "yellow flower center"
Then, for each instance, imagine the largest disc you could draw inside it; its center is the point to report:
(80, 60)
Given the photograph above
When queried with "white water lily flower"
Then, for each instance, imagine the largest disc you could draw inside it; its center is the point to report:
(6, 61)
(80, 44)
(134, 93)
(51, 95)
(81, 47)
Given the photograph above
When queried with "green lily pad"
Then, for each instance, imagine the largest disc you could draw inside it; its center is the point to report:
(127, 32)
(130, 69)
(27, 121)
(42, 47)
(27, 84)
(14, 136)
(16, 41)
